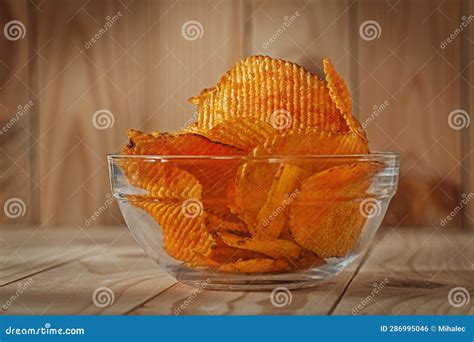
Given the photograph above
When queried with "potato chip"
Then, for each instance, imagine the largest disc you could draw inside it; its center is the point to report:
(226, 222)
(224, 254)
(270, 90)
(325, 218)
(275, 248)
(188, 144)
(255, 177)
(284, 189)
(163, 182)
(313, 142)
(341, 97)
(256, 266)
(253, 181)
(183, 235)
(214, 177)
(306, 260)
(243, 133)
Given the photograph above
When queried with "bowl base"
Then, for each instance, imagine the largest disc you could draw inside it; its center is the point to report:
(208, 279)
(252, 286)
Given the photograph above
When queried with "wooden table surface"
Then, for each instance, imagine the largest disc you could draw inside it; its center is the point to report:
(56, 271)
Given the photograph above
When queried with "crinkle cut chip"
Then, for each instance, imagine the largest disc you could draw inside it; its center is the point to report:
(183, 236)
(255, 177)
(213, 176)
(270, 90)
(242, 132)
(258, 266)
(325, 218)
(341, 97)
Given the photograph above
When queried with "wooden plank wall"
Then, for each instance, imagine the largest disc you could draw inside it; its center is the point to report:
(142, 70)
(16, 115)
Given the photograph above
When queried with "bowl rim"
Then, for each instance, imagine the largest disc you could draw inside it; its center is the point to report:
(376, 155)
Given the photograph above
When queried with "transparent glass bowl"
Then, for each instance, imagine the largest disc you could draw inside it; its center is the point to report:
(134, 193)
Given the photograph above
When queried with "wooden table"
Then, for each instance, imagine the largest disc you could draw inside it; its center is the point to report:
(58, 270)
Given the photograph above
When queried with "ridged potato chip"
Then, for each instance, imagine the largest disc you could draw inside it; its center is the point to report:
(255, 177)
(183, 236)
(226, 222)
(270, 90)
(256, 266)
(224, 254)
(273, 215)
(341, 97)
(275, 248)
(243, 133)
(325, 218)
(213, 177)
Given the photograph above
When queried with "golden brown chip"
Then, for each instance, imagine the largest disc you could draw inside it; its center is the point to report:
(284, 189)
(214, 176)
(341, 97)
(223, 254)
(306, 260)
(275, 248)
(325, 217)
(226, 222)
(281, 93)
(313, 142)
(165, 144)
(255, 177)
(165, 182)
(183, 235)
(242, 133)
(256, 266)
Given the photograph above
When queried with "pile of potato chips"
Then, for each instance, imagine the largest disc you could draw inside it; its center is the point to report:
(243, 211)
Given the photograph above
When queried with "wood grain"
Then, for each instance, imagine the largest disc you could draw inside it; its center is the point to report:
(407, 86)
(413, 269)
(109, 258)
(302, 31)
(468, 73)
(185, 300)
(17, 135)
(416, 281)
(141, 70)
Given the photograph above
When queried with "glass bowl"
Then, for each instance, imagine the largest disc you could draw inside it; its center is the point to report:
(331, 212)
